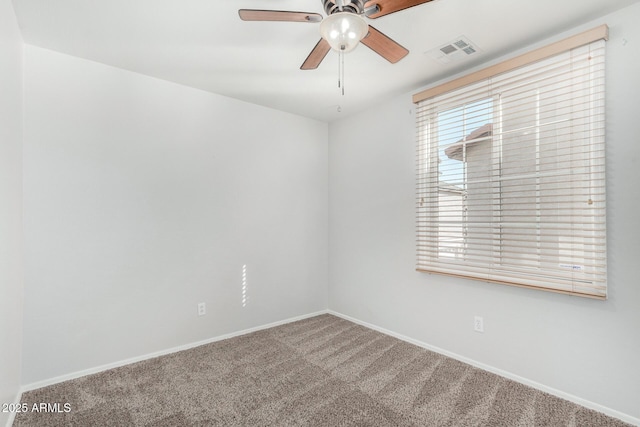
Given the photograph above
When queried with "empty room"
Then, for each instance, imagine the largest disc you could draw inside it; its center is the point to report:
(319, 213)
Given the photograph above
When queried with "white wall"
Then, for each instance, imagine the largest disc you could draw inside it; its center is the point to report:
(11, 256)
(587, 348)
(143, 198)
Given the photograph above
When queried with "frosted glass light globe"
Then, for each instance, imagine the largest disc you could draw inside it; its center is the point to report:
(343, 30)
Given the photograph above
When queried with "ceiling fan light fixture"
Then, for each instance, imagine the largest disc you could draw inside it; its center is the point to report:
(343, 30)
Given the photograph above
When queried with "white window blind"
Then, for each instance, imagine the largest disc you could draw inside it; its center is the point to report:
(511, 175)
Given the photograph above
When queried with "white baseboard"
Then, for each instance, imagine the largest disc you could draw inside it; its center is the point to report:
(12, 415)
(575, 399)
(97, 369)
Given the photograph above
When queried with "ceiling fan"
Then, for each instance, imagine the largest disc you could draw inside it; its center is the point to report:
(344, 27)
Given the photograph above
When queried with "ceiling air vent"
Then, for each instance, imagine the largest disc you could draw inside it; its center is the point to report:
(456, 50)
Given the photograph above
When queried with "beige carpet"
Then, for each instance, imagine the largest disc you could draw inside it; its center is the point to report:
(322, 371)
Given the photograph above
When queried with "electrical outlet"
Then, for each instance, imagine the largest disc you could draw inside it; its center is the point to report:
(478, 324)
(202, 309)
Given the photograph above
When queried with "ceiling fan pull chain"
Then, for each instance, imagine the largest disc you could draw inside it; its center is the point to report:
(341, 71)
(342, 68)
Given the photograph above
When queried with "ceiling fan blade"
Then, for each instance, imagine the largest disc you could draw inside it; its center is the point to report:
(278, 15)
(386, 7)
(384, 46)
(316, 56)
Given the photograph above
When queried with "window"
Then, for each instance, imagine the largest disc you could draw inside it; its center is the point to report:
(511, 171)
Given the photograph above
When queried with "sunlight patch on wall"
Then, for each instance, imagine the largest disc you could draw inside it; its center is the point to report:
(244, 286)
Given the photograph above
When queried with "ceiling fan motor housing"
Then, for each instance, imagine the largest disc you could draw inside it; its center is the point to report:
(335, 6)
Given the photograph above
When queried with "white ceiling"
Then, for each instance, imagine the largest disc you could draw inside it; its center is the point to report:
(204, 44)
